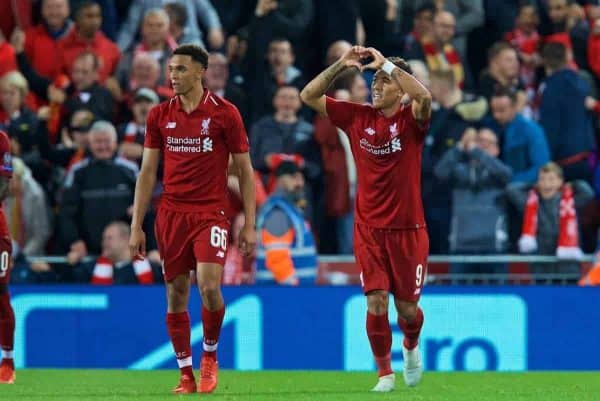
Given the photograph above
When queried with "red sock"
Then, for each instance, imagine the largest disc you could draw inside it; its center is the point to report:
(178, 326)
(211, 324)
(380, 337)
(411, 329)
(7, 328)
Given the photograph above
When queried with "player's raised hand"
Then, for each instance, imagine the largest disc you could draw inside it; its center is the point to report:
(377, 58)
(247, 240)
(352, 57)
(137, 243)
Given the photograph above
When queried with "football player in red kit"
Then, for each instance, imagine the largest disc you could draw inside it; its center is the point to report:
(194, 133)
(7, 316)
(391, 244)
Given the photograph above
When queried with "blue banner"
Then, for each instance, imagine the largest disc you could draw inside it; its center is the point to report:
(466, 328)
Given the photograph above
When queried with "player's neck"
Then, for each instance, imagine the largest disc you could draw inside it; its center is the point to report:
(191, 99)
(391, 110)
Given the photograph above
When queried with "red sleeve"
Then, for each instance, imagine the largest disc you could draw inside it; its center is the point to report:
(153, 139)
(341, 113)
(593, 51)
(236, 138)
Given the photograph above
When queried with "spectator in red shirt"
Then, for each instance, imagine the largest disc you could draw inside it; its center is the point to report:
(87, 36)
(41, 40)
(8, 61)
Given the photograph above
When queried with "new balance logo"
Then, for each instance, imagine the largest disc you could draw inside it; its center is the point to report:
(396, 145)
(207, 145)
(220, 254)
(171, 125)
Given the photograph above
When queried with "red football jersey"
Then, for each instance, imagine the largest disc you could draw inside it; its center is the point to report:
(387, 153)
(6, 170)
(196, 148)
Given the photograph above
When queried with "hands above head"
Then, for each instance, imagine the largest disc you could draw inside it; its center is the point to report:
(357, 55)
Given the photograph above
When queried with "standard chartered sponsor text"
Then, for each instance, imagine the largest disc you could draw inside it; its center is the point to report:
(189, 144)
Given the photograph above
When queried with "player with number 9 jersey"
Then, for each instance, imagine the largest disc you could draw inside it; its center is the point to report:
(391, 244)
(7, 316)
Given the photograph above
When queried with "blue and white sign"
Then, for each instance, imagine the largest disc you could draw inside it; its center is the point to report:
(466, 328)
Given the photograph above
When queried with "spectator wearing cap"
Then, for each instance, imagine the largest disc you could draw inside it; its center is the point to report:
(285, 243)
(131, 134)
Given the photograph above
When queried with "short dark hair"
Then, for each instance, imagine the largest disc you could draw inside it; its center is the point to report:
(401, 63)
(83, 5)
(498, 48)
(426, 6)
(178, 13)
(554, 55)
(502, 91)
(197, 53)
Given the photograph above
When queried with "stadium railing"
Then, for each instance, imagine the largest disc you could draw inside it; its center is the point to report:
(342, 270)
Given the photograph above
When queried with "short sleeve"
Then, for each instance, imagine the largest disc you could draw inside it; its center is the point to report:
(341, 113)
(236, 138)
(153, 138)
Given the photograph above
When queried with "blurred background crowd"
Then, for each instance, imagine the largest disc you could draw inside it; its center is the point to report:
(510, 162)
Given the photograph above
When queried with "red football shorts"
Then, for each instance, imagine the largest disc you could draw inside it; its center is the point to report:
(5, 260)
(392, 260)
(187, 238)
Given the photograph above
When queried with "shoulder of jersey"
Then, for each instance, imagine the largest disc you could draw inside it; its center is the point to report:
(212, 98)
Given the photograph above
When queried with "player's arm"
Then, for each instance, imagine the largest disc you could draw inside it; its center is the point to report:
(420, 95)
(143, 194)
(313, 94)
(247, 240)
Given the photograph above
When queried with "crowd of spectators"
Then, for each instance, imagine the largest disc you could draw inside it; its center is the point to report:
(514, 130)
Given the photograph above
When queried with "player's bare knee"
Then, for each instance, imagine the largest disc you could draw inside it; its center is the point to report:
(210, 288)
(377, 302)
(406, 310)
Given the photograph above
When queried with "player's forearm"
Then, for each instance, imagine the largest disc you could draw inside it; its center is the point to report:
(411, 85)
(143, 195)
(319, 85)
(248, 193)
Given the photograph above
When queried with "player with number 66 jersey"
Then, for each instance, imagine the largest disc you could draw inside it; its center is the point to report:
(195, 132)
